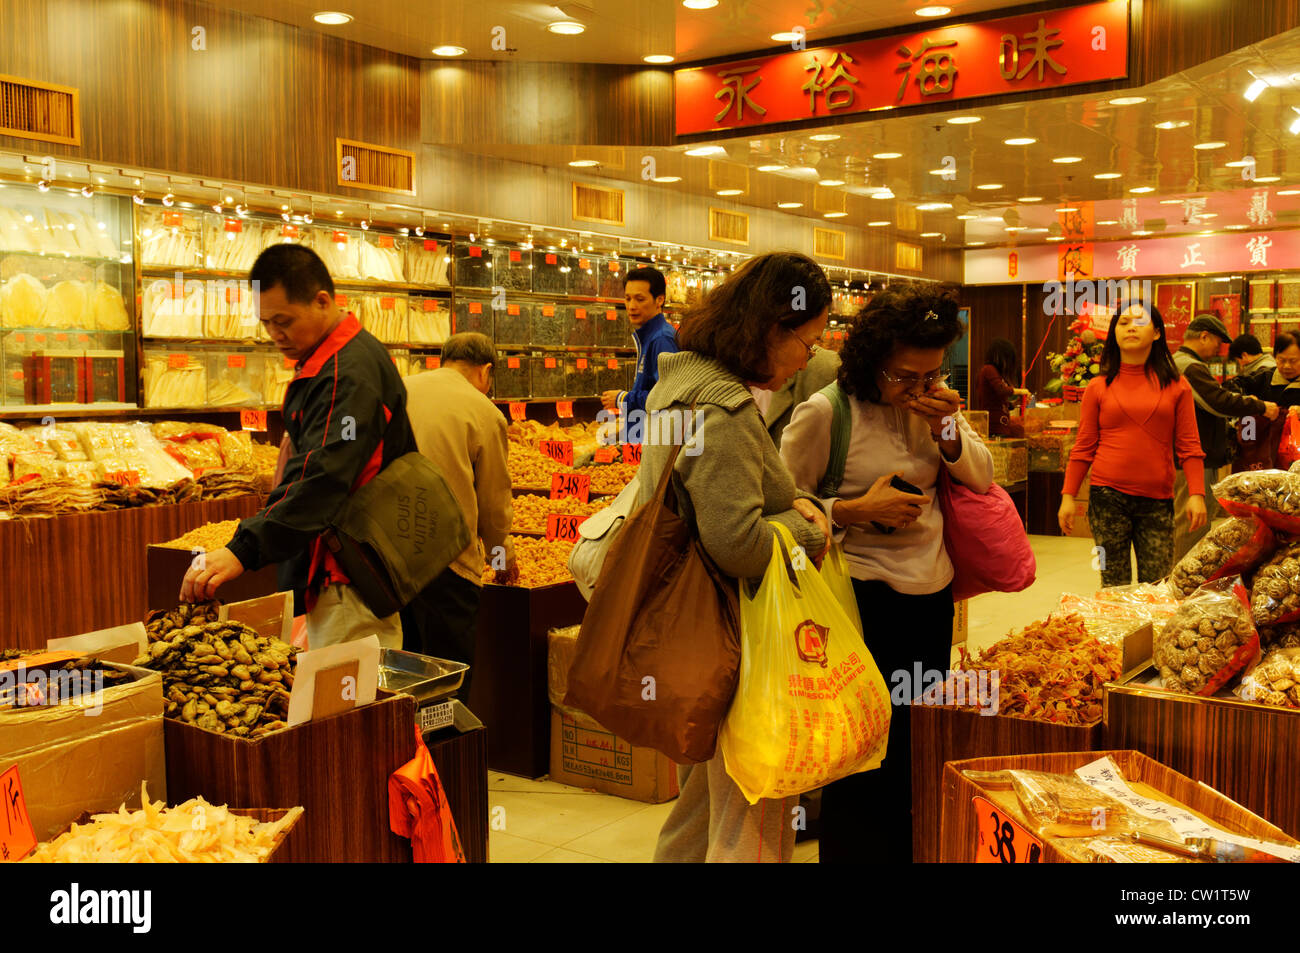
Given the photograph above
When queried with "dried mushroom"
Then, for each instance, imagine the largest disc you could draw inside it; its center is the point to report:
(1275, 680)
(1231, 547)
(1207, 641)
(1275, 593)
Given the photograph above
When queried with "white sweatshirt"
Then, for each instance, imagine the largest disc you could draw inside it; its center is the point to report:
(886, 440)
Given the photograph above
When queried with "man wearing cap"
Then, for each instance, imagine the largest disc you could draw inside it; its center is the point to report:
(1215, 405)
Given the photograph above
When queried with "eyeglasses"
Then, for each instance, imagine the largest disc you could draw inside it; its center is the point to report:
(811, 348)
(930, 380)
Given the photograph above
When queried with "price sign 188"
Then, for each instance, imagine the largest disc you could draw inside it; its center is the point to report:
(563, 526)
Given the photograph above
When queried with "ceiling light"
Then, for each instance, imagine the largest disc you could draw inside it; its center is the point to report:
(876, 224)
(169, 200)
(87, 190)
(1254, 89)
(786, 37)
(330, 18)
(1283, 192)
(789, 205)
(835, 214)
(1209, 214)
(699, 4)
(449, 51)
(933, 11)
(973, 244)
(830, 183)
(966, 218)
(584, 163)
(1141, 231)
(1014, 228)
(101, 179)
(729, 192)
(1036, 230)
(1234, 226)
(43, 186)
(1030, 198)
(882, 194)
(989, 186)
(666, 178)
(933, 206)
(566, 27)
(1214, 144)
(770, 168)
(1142, 190)
(825, 137)
(138, 198)
(930, 234)
(1056, 238)
(1171, 201)
(1268, 178)
(887, 155)
(1127, 100)
(1067, 160)
(1237, 164)
(657, 58)
(1109, 221)
(1294, 128)
(1020, 141)
(706, 151)
(963, 120)
(1065, 208)
(216, 207)
(1173, 124)
(1106, 175)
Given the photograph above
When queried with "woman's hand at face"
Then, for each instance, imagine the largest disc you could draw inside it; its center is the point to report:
(936, 406)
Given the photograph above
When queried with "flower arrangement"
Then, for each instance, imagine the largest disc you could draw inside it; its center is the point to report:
(1080, 362)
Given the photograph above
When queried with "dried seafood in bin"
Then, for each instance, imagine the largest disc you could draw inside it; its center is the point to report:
(514, 324)
(1232, 548)
(551, 272)
(381, 260)
(426, 261)
(430, 321)
(1208, 640)
(584, 279)
(473, 266)
(207, 537)
(530, 469)
(1275, 591)
(530, 511)
(610, 478)
(511, 269)
(540, 562)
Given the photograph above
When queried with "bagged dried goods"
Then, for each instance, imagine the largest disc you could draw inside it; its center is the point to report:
(1232, 548)
(1275, 591)
(1208, 640)
(1272, 495)
(1275, 680)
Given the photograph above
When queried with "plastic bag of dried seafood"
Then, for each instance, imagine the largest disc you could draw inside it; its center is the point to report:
(1208, 640)
(1275, 591)
(1272, 495)
(1275, 680)
(1232, 548)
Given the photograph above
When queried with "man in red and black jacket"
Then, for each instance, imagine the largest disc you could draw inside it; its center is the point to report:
(345, 417)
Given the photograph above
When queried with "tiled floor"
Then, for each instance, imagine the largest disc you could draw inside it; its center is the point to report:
(544, 822)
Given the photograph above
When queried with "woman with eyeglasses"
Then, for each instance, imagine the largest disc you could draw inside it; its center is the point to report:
(902, 425)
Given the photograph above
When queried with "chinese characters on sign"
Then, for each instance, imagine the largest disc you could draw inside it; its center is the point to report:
(938, 70)
(737, 93)
(1038, 44)
(835, 85)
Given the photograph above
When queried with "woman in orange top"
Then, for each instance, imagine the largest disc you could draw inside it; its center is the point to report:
(1136, 418)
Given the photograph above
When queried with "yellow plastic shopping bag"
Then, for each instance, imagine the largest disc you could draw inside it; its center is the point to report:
(811, 706)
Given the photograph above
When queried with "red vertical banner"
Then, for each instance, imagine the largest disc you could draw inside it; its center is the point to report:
(1176, 301)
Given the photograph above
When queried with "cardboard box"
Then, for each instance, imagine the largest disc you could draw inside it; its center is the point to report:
(585, 755)
(270, 616)
(960, 830)
(121, 643)
(71, 759)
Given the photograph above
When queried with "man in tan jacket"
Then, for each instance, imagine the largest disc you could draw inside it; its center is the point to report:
(464, 435)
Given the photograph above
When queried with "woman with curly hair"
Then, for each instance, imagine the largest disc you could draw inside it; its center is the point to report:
(904, 424)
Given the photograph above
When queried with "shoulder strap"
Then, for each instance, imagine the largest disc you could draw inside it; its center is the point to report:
(841, 434)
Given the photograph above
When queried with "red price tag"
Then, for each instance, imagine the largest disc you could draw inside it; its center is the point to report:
(172, 219)
(430, 244)
(61, 338)
(387, 303)
(232, 295)
(475, 307)
(605, 454)
(571, 486)
(632, 453)
(430, 304)
(561, 451)
(17, 836)
(341, 300)
(20, 338)
(340, 238)
(234, 225)
(839, 335)
(550, 363)
(518, 410)
(385, 241)
(1000, 840)
(253, 420)
(548, 310)
(612, 363)
(582, 363)
(563, 526)
(611, 315)
(551, 259)
(613, 266)
(580, 314)
(475, 251)
(512, 310)
(584, 264)
(515, 256)
(178, 360)
(432, 362)
(564, 408)
(512, 363)
(38, 338)
(289, 231)
(83, 338)
(235, 360)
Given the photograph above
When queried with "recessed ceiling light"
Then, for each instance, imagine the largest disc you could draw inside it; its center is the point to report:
(584, 163)
(1014, 228)
(666, 178)
(876, 224)
(1171, 201)
(699, 4)
(1214, 144)
(1030, 198)
(930, 234)
(973, 244)
(933, 206)
(449, 50)
(1208, 215)
(825, 137)
(566, 27)
(786, 37)
(887, 155)
(966, 218)
(1020, 141)
(831, 183)
(1282, 192)
(1234, 226)
(331, 18)
(729, 192)
(835, 214)
(882, 194)
(770, 168)
(1066, 208)
(1173, 124)
(1106, 175)
(964, 120)
(789, 205)
(1127, 100)
(706, 151)
(1142, 190)
(657, 58)
(1109, 221)
(933, 11)
(1268, 178)
(1067, 160)
(1237, 164)
(990, 218)
(1056, 238)
(989, 186)
(1141, 231)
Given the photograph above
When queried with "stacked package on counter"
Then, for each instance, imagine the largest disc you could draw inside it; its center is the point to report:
(232, 244)
(129, 453)
(340, 257)
(174, 380)
(427, 262)
(178, 245)
(384, 316)
(381, 260)
(172, 310)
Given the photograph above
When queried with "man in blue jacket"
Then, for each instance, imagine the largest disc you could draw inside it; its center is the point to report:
(644, 291)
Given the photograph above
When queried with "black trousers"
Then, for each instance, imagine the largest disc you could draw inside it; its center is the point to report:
(867, 817)
(442, 621)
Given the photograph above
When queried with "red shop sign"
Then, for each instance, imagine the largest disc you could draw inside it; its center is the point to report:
(1043, 50)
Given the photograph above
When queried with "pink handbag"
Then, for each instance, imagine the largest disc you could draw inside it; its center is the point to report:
(985, 539)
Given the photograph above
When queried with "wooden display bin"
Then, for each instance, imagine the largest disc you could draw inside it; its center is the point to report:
(167, 567)
(336, 769)
(960, 836)
(1241, 748)
(941, 734)
(509, 687)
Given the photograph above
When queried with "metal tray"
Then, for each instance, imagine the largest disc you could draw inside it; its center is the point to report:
(423, 677)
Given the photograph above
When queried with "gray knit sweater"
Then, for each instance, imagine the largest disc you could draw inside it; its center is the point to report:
(734, 477)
